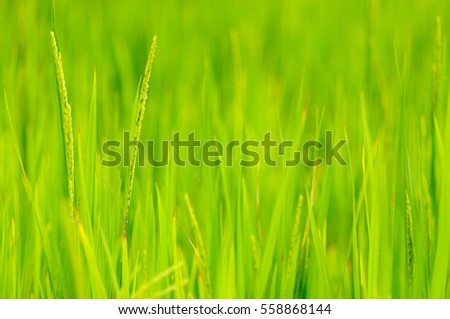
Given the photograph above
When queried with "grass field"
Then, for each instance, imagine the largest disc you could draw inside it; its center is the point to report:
(374, 72)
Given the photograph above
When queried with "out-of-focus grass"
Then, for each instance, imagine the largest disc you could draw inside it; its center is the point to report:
(372, 71)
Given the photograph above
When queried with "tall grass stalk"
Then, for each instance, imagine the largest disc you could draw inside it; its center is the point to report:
(437, 75)
(66, 119)
(137, 129)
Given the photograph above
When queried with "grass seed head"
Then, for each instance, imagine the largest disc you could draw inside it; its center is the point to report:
(137, 130)
(66, 118)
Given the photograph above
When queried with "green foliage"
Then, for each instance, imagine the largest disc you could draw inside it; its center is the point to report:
(373, 72)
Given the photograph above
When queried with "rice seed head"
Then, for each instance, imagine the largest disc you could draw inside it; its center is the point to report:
(137, 130)
(410, 243)
(437, 66)
(294, 239)
(66, 118)
(144, 89)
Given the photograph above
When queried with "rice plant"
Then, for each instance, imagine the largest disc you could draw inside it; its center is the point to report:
(372, 73)
(138, 126)
(66, 119)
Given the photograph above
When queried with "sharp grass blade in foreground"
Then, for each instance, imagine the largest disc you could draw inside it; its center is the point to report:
(13, 132)
(98, 289)
(66, 118)
(91, 153)
(200, 252)
(437, 83)
(440, 272)
(137, 130)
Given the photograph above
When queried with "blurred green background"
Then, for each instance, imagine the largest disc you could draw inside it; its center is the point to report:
(372, 71)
